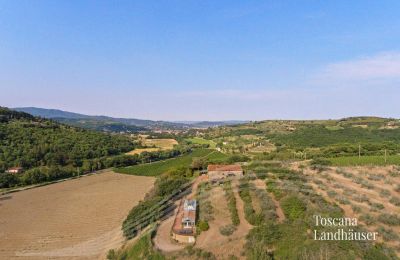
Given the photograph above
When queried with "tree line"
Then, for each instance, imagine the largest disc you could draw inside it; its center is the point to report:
(48, 150)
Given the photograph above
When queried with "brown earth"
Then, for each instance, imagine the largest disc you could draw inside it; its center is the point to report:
(212, 240)
(162, 240)
(333, 181)
(75, 219)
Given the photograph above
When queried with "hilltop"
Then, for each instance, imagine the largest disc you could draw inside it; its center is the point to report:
(112, 124)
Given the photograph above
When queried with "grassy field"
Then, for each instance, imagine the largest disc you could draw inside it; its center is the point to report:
(365, 160)
(157, 168)
(199, 140)
(160, 144)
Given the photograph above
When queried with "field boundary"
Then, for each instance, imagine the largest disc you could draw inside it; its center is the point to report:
(18, 189)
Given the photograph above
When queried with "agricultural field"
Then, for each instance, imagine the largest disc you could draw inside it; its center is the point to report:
(164, 144)
(370, 194)
(222, 234)
(152, 145)
(202, 141)
(157, 168)
(365, 160)
(74, 219)
(141, 150)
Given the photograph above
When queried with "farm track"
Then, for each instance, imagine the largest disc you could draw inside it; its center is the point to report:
(75, 219)
(279, 212)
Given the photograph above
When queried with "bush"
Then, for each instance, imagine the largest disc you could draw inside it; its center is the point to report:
(8, 180)
(230, 197)
(293, 207)
(389, 219)
(111, 255)
(368, 219)
(377, 206)
(321, 162)
(356, 208)
(203, 225)
(384, 193)
(395, 201)
(227, 230)
(388, 234)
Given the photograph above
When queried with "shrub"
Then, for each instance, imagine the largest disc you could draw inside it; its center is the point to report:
(360, 198)
(368, 219)
(389, 219)
(394, 174)
(395, 201)
(332, 193)
(321, 161)
(227, 230)
(111, 255)
(388, 234)
(230, 197)
(8, 180)
(377, 206)
(293, 207)
(356, 208)
(203, 225)
(384, 193)
(342, 200)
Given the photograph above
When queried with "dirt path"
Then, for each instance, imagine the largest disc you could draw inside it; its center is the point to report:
(163, 241)
(279, 212)
(74, 219)
(240, 206)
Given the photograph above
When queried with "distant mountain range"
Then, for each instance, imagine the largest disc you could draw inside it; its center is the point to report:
(106, 123)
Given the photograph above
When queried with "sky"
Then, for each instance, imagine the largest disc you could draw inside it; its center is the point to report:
(202, 60)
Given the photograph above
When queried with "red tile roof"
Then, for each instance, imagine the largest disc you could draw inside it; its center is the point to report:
(229, 167)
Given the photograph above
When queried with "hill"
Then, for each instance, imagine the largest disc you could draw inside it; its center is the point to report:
(112, 124)
(50, 149)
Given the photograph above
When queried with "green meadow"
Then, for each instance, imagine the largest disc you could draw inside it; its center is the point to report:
(201, 141)
(365, 160)
(157, 168)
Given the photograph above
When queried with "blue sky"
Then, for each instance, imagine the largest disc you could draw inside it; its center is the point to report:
(202, 60)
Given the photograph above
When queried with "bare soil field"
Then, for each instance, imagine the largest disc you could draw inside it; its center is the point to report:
(75, 219)
(370, 194)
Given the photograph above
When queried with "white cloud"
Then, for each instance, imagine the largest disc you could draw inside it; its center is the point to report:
(379, 68)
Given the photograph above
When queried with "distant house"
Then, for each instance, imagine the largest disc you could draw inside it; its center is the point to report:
(184, 228)
(217, 172)
(15, 170)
